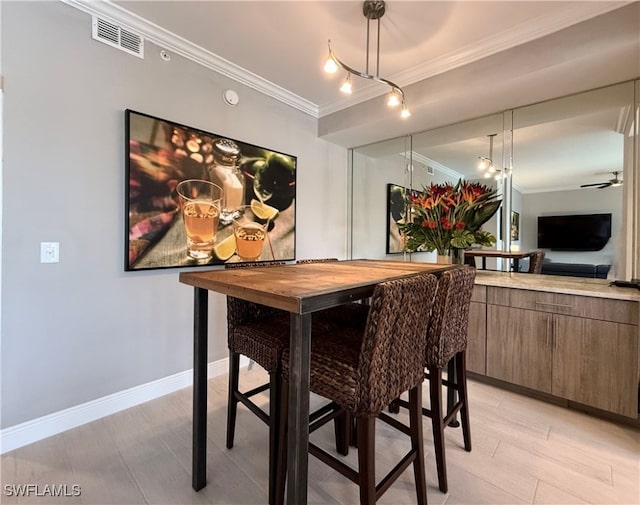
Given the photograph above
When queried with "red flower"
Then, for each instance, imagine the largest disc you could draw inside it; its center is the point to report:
(429, 224)
(446, 224)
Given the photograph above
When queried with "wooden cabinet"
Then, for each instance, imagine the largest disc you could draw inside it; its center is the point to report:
(518, 347)
(579, 348)
(477, 336)
(596, 363)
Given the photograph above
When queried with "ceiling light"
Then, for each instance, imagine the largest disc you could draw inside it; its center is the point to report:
(394, 99)
(330, 66)
(486, 164)
(372, 9)
(346, 85)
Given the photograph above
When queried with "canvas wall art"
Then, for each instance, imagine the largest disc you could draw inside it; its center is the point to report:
(397, 212)
(196, 198)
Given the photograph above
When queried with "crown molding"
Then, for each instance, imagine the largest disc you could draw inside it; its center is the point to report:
(514, 36)
(183, 47)
(435, 165)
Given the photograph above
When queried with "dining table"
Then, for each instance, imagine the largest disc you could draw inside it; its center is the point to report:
(301, 290)
(516, 256)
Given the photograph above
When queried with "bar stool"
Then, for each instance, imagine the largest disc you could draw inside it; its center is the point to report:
(446, 341)
(361, 371)
(536, 259)
(261, 333)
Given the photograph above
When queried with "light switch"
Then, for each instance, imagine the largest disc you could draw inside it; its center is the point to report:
(49, 252)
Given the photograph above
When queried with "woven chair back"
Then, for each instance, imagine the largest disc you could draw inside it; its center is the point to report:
(389, 361)
(535, 262)
(449, 324)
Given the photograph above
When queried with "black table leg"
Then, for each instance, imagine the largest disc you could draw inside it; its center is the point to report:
(516, 264)
(484, 263)
(298, 433)
(199, 449)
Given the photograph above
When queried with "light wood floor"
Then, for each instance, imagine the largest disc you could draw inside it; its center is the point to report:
(524, 451)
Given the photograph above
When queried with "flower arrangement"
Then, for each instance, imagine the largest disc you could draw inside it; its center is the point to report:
(445, 217)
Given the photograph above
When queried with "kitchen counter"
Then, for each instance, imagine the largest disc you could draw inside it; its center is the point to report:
(571, 340)
(556, 284)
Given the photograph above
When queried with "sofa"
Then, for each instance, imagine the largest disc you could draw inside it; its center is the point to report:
(575, 269)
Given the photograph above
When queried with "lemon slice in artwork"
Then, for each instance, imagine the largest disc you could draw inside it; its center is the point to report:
(263, 211)
(226, 248)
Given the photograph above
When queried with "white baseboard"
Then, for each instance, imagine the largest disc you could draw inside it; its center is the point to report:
(31, 431)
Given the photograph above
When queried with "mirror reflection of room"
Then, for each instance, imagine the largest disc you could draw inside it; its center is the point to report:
(569, 159)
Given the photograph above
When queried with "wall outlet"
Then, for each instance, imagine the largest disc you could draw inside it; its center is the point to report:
(49, 252)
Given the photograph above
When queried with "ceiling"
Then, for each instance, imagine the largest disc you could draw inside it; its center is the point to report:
(285, 42)
(456, 60)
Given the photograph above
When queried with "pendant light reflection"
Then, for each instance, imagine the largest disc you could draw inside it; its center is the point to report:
(485, 164)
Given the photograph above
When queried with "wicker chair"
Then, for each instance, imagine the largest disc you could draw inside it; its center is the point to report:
(361, 371)
(536, 259)
(447, 341)
(261, 333)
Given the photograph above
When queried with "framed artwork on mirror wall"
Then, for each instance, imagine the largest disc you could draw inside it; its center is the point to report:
(515, 225)
(397, 211)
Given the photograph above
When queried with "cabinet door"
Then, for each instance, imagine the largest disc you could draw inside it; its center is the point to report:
(519, 346)
(477, 340)
(596, 363)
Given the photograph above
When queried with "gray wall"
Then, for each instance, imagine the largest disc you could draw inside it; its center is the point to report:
(84, 328)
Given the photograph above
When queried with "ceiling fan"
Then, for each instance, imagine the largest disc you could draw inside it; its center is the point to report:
(611, 182)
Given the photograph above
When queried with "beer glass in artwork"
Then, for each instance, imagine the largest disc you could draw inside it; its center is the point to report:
(250, 235)
(200, 204)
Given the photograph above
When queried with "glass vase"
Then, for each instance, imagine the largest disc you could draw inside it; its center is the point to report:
(453, 256)
(457, 256)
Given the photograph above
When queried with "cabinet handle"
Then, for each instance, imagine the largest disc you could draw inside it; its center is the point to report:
(549, 333)
(555, 304)
(555, 334)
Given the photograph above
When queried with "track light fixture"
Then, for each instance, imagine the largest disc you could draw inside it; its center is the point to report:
(372, 9)
(486, 164)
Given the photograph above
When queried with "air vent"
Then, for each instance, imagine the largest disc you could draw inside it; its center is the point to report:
(117, 36)
(430, 170)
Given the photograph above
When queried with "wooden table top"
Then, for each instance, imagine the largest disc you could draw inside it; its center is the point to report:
(493, 253)
(307, 287)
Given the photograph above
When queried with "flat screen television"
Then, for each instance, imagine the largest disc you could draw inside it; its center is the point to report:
(581, 232)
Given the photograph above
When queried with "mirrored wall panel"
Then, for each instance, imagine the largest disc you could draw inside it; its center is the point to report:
(571, 156)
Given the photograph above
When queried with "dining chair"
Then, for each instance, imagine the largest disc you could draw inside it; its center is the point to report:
(536, 259)
(360, 371)
(446, 344)
(261, 333)
(447, 340)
